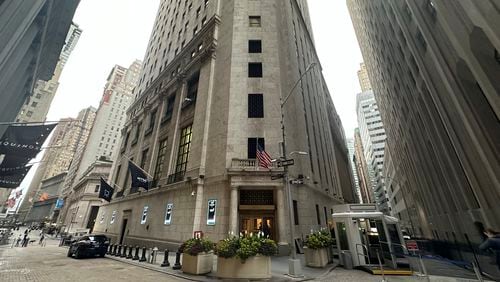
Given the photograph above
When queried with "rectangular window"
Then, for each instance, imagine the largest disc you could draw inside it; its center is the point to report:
(317, 215)
(118, 173)
(29, 113)
(33, 104)
(255, 106)
(326, 215)
(97, 188)
(137, 132)
(254, 21)
(254, 69)
(192, 87)
(144, 157)
(295, 213)
(152, 119)
(170, 107)
(184, 148)
(252, 146)
(162, 151)
(254, 46)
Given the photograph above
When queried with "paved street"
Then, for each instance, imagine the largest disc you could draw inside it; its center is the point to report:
(36, 263)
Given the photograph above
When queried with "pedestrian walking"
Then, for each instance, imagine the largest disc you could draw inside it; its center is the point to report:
(18, 241)
(492, 242)
(42, 237)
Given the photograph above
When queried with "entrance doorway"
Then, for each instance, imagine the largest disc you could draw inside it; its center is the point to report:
(124, 228)
(255, 223)
(92, 217)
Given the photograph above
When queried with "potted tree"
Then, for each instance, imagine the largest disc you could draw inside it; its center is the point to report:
(245, 257)
(197, 256)
(316, 248)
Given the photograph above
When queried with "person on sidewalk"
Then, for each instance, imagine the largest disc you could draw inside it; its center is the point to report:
(42, 237)
(18, 241)
(492, 242)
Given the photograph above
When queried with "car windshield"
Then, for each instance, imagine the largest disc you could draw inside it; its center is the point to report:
(98, 238)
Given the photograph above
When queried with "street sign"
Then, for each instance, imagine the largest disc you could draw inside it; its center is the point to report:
(412, 245)
(288, 162)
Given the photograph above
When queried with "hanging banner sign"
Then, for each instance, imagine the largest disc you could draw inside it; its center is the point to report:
(59, 203)
(24, 140)
(212, 207)
(168, 214)
(7, 171)
(144, 215)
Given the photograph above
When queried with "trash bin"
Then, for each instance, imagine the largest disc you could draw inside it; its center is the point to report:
(346, 259)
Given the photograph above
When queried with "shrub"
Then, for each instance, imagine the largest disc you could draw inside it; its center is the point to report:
(195, 246)
(245, 247)
(319, 239)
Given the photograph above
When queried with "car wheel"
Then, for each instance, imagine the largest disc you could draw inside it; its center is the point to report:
(102, 255)
(78, 254)
(69, 253)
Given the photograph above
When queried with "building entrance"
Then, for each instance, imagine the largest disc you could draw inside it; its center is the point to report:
(255, 223)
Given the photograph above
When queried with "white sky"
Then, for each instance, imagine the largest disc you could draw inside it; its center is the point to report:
(117, 32)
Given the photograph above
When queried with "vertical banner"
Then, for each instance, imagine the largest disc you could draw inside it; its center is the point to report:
(144, 215)
(168, 213)
(212, 207)
(113, 216)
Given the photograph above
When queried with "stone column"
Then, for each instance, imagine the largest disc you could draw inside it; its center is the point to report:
(281, 210)
(198, 210)
(233, 210)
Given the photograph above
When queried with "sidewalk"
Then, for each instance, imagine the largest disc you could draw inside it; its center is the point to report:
(279, 268)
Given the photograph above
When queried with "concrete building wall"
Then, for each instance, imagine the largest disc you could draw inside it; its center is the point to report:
(31, 39)
(435, 77)
(365, 182)
(37, 105)
(218, 163)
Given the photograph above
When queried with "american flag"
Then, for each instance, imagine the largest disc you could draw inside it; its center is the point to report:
(263, 157)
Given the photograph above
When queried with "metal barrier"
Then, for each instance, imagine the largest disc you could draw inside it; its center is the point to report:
(364, 247)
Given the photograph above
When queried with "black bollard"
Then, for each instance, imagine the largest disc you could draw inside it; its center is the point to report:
(124, 253)
(177, 264)
(129, 256)
(110, 248)
(115, 247)
(119, 251)
(165, 260)
(136, 256)
(143, 256)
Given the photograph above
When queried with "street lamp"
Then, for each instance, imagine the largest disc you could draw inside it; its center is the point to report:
(294, 266)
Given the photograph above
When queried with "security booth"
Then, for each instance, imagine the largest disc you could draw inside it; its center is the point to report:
(367, 238)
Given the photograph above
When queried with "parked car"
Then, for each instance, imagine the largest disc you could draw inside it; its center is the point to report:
(89, 245)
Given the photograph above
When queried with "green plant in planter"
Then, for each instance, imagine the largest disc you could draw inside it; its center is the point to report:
(319, 239)
(245, 247)
(194, 246)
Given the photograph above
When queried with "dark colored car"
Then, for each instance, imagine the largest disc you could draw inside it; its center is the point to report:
(89, 246)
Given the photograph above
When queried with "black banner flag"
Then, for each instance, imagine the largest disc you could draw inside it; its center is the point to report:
(24, 140)
(106, 191)
(139, 177)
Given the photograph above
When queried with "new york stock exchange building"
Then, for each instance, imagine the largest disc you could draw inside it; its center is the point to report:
(203, 115)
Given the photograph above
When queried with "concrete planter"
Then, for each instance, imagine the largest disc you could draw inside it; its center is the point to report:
(316, 257)
(200, 264)
(257, 267)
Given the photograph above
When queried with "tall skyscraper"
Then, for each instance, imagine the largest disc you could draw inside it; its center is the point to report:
(105, 136)
(31, 38)
(68, 137)
(434, 66)
(37, 106)
(351, 149)
(364, 80)
(208, 99)
(371, 130)
(364, 180)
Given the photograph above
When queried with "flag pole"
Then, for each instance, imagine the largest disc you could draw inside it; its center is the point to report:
(138, 166)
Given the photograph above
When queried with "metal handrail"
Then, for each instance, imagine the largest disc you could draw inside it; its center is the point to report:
(362, 254)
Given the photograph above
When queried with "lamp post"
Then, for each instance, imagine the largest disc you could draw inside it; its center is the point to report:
(294, 266)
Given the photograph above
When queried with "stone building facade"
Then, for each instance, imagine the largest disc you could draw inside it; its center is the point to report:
(208, 96)
(434, 66)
